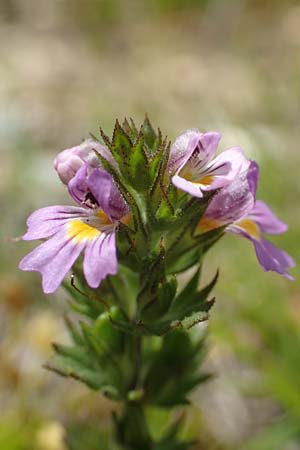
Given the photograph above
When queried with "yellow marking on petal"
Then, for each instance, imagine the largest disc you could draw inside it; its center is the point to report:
(207, 224)
(186, 175)
(204, 181)
(103, 217)
(80, 231)
(250, 227)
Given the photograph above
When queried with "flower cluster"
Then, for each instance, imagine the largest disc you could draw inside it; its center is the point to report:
(148, 191)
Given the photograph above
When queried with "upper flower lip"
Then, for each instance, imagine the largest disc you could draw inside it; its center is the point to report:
(69, 161)
(95, 187)
(193, 167)
(185, 145)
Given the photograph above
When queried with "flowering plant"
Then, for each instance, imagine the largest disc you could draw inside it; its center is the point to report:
(146, 211)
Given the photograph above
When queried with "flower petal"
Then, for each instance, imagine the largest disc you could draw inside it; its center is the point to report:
(53, 259)
(266, 219)
(270, 257)
(234, 201)
(185, 145)
(273, 258)
(69, 161)
(225, 167)
(187, 186)
(107, 194)
(47, 221)
(78, 186)
(100, 259)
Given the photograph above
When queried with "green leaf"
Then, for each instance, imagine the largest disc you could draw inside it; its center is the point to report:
(74, 332)
(120, 148)
(189, 301)
(139, 166)
(149, 133)
(151, 276)
(184, 261)
(130, 129)
(166, 292)
(190, 288)
(173, 370)
(69, 367)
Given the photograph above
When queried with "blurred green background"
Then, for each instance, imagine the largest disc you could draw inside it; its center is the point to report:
(68, 66)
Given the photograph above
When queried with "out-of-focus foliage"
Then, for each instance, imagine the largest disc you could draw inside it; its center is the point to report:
(232, 66)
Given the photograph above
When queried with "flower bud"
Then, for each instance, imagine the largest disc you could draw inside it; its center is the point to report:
(69, 161)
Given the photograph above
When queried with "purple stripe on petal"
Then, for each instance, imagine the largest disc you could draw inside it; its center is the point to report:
(208, 143)
(47, 221)
(100, 259)
(182, 149)
(226, 167)
(266, 219)
(53, 259)
(185, 145)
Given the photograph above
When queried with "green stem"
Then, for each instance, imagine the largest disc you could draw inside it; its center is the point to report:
(132, 430)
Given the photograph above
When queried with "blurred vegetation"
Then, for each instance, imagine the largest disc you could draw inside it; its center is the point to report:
(67, 67)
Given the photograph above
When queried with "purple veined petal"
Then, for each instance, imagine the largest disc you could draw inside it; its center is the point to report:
(266, 219)
(78, 186)
(100, 259)
(182, 149)
(185, 145)
(187, 186)
(225, 167)
(47, 221)
(107, 194)
(233, 202)
(271, 258)
(207, 145)
(53, 259)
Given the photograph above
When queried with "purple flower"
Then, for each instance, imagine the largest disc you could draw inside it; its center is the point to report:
(72, 229)
(192, 165)
(69, 161)
(235, 208)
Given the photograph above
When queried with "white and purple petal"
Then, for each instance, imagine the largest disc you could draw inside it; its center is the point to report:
(205, 144)
(53, 259)
(236, 200)
(225, 167)
(100, 259)
(45, 222)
